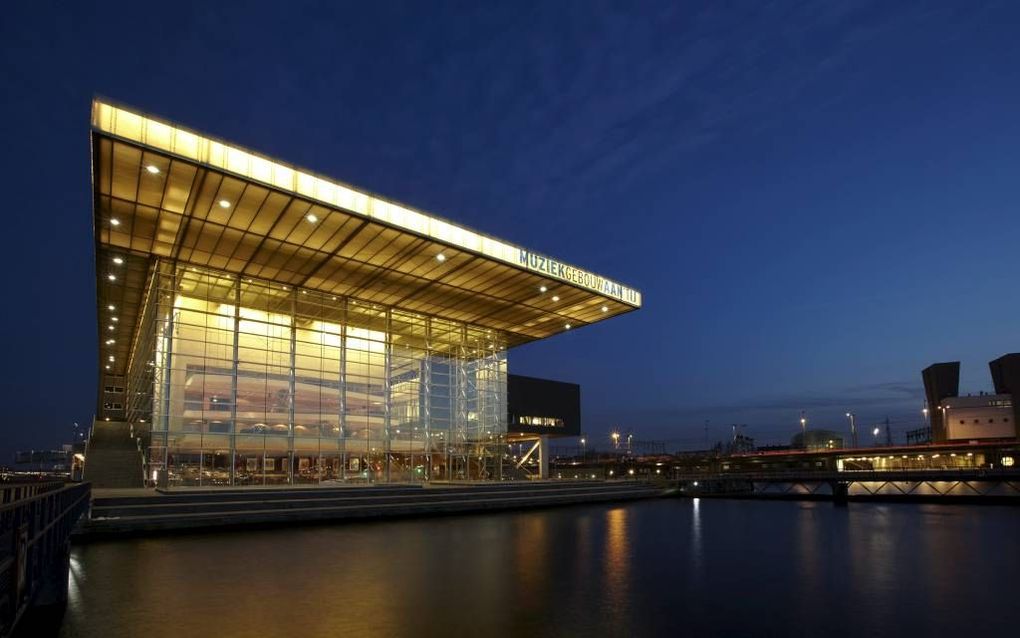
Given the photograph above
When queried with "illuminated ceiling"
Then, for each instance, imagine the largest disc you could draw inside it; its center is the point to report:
(162, 191)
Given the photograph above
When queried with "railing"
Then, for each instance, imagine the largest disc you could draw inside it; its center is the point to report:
(35, 528)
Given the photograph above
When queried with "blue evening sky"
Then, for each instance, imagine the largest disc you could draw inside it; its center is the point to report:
(817, 199)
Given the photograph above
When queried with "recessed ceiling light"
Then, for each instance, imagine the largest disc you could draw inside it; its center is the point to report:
(542, 289)
(440, 257)
(111, 357)
(109, 342)
(110, 307)
(567, 326)
(114, 319)
(112, 277)
(605, 308)
(311, 218)
(152, 168)
(224, 203)
(109, 327)
(118, 260)
(115, 222)
(555, 298)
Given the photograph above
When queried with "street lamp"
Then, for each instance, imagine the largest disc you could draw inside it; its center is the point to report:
(583, 450)
(853, 427)
(616, 440)
(874, 433)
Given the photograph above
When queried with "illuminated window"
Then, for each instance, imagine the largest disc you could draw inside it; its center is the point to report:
(540, 421)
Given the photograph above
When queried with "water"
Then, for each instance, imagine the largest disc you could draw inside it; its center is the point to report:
(663, 567)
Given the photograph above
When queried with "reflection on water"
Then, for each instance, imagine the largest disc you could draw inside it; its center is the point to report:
(696, 534)
(662, 567)
(616, 566)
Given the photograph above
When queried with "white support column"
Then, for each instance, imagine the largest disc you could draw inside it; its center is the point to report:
(543, 457)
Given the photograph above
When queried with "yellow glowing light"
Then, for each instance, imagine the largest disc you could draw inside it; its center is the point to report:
(440, 257)
(152, 169)
(112, 277)
(556, 298)
(567, 326)
(605, 308)
(111, 307)
(224, 203)
(191, 146)
(118, 260)
(115, 222)
(542, 289)
(311, 218)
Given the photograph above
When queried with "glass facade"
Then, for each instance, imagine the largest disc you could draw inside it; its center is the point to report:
(248, 382)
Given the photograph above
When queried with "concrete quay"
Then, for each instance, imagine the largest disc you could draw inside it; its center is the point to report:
(116, 513)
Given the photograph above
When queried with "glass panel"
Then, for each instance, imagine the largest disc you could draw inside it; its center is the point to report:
(258, 384)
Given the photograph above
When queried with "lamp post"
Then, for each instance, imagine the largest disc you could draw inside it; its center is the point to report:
(583, 449)
(616, 440)
(875, 433)
(803, 430)
(853, 427)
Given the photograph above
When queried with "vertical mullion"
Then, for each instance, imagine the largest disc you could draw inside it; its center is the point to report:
(292, 386)
(233, 381)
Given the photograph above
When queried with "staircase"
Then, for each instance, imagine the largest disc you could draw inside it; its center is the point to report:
(112, 458)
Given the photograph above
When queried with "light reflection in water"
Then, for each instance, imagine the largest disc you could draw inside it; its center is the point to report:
(696, 533)
(640, 569)
(617, 561)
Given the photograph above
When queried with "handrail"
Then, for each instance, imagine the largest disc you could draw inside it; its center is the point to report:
(35, 529)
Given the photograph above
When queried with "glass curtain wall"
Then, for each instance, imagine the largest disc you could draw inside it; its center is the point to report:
(248, 382)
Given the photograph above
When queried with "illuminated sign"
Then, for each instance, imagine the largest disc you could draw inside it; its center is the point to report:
(576, 276)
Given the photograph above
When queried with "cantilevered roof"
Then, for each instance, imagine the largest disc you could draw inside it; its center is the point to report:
(164, 191)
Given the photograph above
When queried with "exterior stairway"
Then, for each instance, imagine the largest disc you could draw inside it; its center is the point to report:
(112, 458)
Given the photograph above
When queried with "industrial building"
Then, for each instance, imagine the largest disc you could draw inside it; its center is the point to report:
(973, 417)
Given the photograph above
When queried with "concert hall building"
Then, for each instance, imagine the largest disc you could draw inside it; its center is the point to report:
(262, 324)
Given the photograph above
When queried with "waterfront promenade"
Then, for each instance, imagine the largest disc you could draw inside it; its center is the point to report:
(144, 511)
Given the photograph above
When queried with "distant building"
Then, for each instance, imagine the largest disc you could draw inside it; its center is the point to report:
(984, 416)
(46, 461)
(817, 440)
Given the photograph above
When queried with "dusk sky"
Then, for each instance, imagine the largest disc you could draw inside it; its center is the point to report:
(816, 199)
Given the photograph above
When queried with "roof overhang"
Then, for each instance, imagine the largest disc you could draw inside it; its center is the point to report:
(162, 191)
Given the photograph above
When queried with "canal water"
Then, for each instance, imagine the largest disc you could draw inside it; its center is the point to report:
(650, 568)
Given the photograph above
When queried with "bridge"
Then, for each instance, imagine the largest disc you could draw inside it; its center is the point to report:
(36, 520)
(952, 484)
